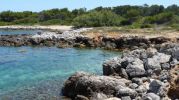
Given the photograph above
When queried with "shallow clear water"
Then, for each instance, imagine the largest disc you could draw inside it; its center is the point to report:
(39, 69)
(11, 32)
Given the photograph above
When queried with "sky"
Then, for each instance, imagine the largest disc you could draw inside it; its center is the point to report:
(39, 5)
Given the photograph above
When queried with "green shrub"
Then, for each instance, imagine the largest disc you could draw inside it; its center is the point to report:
(29, 21)
(146, 26)
(55, 22)
(159, 19)
(97, 19)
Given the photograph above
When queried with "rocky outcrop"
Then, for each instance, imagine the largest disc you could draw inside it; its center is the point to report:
(141, 74)
(87, 84)
(138, 63)
(75, 38)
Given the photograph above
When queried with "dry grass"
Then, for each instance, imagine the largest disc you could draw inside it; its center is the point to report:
(120, 32)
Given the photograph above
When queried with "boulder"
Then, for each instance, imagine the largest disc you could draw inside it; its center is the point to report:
(113, 98)
(86, 84)
(141, 89)
(98, 96)
(151, 52)
(151, 96)
(133, 85)
(111, 66)
(154, 62)
(126, 92)
(154, 86)
(135, 68)
(81, 97)
(164, 75)
(126, 98)
(138, 53)
(165, 66)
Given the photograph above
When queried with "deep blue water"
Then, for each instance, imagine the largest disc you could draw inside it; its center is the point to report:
(11, 32)
(27, 71)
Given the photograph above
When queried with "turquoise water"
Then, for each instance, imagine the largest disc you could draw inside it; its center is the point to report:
(27, 71)
(11, 32)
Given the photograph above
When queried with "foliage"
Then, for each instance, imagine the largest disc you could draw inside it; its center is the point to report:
(159, 19)
(129, 16)
(97, 18)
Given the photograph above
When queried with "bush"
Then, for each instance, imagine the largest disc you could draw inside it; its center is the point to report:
(159, 19)
(97, 19)
(53, 21)
(30, 21)
(125, 22)
(4, 23)
(146, 26)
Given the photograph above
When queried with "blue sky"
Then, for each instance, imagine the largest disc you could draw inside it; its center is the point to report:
(38, 5)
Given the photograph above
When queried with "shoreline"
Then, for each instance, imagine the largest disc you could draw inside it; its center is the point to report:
(146, 71)
(38, 27)
(140, 74)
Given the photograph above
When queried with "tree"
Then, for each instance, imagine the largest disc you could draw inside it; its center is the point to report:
(7, 16)
(96, 19)
(154, 10)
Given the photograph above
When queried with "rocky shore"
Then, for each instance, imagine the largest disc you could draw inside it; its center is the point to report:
(140, 74)
(149, 71)
(75, 38)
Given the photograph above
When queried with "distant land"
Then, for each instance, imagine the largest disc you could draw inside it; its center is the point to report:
(123, 16)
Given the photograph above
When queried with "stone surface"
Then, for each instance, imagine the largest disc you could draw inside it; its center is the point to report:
(86, 84)
(126, 92)
(136, 68)
(151, 96)
(165, 66)
(155, 86)
(126, 98)
(146, 75)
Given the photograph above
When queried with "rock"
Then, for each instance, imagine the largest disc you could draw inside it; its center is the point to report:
(136, 68)
(162, 58)
(165, 66)
(163, 91)
(114, 98)
(151, 96)
(164, 75)
(126, 92)
(155, 86)
(81, 97)
(154, 62)
(138, 53)
(141, 89)
(123, 73)
(98, 96)
(151, 52)
(126, 98)
(174, 62)
(86, 84)
(133, 85)
(111, 66)
(126, 61)
(175, 53)
(138, 81)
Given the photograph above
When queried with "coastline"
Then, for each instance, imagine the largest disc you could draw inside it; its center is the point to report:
(38, 27)
(151, 61)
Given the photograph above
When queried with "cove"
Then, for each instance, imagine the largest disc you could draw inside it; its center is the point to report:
(27, 72)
